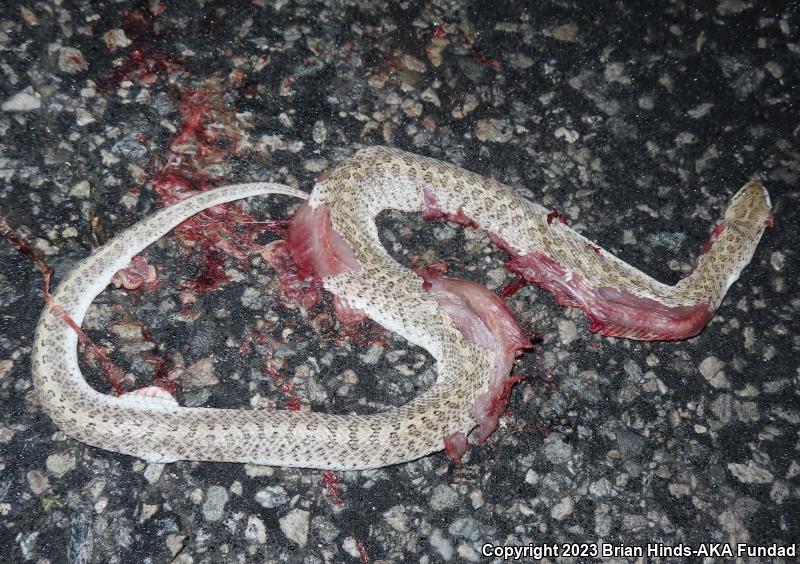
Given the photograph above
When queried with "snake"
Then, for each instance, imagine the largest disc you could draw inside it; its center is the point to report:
(472, 366)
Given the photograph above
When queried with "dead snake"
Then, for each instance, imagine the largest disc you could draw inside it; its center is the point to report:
(619, 299)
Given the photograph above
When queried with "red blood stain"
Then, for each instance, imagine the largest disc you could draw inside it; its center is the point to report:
(612, 312)
(166, 384)
(715, 234)
(434, 211)
(144, 67)
(499, 400)
(434, 270)
(113, 373)
(363, 555)
(297, 283)
(555, 214)
(209, 135)
(293, 401)
(294, 404)
(250, 337)
(512, 288)
(494, 64)
(364, 334)
(213, 276)
(333, 487)
(440, 31)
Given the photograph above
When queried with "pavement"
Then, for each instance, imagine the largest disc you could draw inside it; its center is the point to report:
(636, 124)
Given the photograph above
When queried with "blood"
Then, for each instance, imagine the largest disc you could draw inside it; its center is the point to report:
(498, 402)
(114, 374)
(483, 318)
(365, 333)
(715, 234)
(318, 252)
(165, 365)
(333, 487)
(612, 312)
(167, 385)
(294, 404)
(508, 291)
(433, 211)
(210, 133)
(144, 67)
(440, 31)
(213, 276)
(293, 401)
(479, 56)
(555, 214)
(297, 285)
(251, 337)
(363, 555)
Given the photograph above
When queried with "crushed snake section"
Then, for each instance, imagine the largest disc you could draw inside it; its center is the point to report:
(465, 328)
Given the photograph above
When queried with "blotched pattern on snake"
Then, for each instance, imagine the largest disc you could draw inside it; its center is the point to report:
(466, 330)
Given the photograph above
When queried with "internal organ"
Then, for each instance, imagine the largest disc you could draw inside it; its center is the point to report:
(612, 312)
(481, 316)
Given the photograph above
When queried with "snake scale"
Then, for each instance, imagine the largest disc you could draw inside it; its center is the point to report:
(618, 298)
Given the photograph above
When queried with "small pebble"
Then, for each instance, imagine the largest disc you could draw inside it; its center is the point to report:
(495, 130)
(214, 506)
(60, 463)
(562, 509)
(566, 32)
(71, 60)
(567, 331)
(441, 544)
(24, 101)
(255, 531)
(711, 369)
(750, 473)
(295, 526)
(272, 497)
(444, 497)
(38, 482)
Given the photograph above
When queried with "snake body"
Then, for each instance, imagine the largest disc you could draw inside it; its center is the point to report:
(373, 180)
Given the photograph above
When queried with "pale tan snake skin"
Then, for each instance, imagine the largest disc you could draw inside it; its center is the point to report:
(360, 188)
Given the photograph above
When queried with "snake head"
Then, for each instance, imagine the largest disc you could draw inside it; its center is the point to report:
(750, 208)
